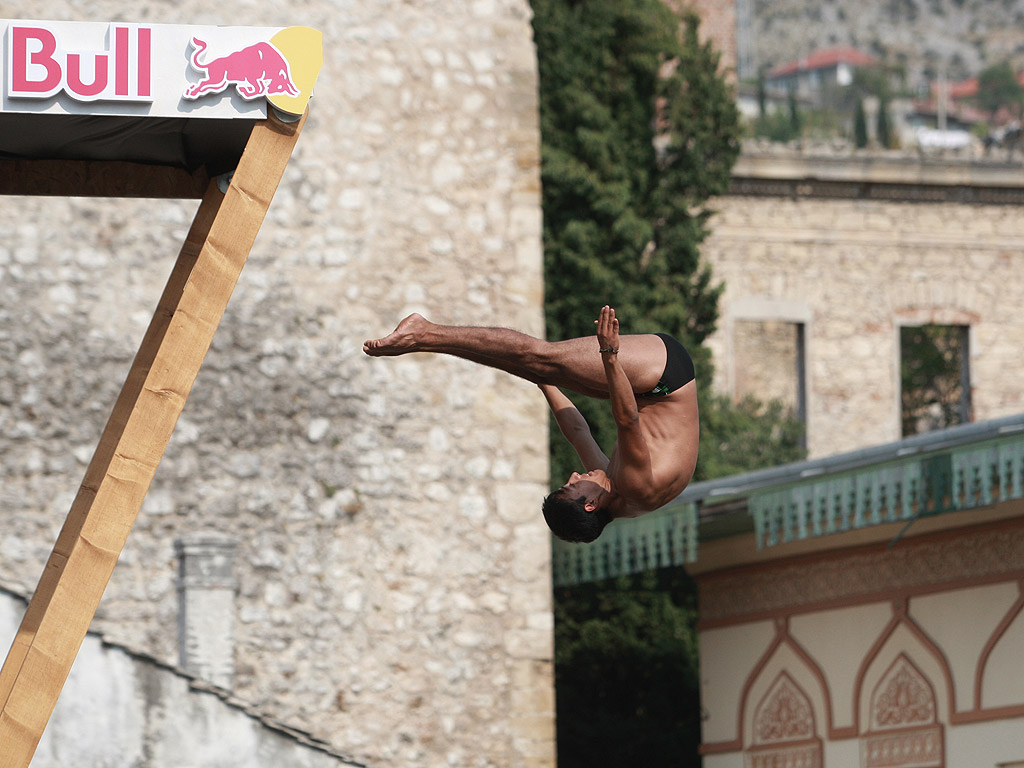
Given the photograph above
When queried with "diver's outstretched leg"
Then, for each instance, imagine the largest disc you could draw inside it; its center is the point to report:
(574, 364)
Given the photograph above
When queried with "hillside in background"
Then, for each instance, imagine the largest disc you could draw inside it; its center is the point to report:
(922, 36)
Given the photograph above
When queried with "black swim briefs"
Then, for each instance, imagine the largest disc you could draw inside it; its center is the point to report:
(678, 368)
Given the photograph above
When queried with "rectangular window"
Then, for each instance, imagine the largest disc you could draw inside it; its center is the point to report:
(769, 357)
(935, 381)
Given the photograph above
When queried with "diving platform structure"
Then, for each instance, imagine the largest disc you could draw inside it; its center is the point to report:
(156, 111)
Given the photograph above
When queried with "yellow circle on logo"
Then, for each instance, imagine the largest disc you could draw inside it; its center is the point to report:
(303, 48)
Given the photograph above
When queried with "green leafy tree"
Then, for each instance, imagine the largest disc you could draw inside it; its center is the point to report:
(860, 125)
(884, 126)
(762, 94)
(998, 87)
(639, 131)
(796, 122)
(750, 434)
(626, 672)
(931, 377)
(872, 81)
(775, 126)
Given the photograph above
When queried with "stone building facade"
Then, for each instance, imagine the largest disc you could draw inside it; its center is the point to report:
(870, 648)
(824, 262)
(393, 580)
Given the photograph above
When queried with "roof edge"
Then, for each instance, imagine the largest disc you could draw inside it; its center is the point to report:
(710, 491)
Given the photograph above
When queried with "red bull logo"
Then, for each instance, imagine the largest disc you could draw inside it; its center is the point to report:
(157, 69)
(256, 70)
(39, 66)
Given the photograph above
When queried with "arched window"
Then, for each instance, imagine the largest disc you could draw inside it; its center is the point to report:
(904, 731)
(784, 730)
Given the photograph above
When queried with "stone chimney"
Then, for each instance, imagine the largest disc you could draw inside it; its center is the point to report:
(206, 607)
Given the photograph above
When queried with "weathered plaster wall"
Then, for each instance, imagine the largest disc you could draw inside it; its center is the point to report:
(120, 710)
(393, 570)
(853, 272)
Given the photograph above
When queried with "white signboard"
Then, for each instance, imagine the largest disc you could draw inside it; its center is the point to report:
(156, 70)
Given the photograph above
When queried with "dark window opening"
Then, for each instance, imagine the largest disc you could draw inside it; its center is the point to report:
(935, 382)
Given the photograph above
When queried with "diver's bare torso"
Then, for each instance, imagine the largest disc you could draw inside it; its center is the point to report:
(671, 428)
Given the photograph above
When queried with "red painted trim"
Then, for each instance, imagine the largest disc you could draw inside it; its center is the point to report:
(781, 630)
(817, 672)
(984, 715)
(720, 747)
(860, 549)
(961, 718)
(761, 570)
(864, 599)
(785, 744)
(997, 635)
(839, 734)
(909, 731)
(782, 637)
(905, 730)
(873, 651)
(901, 616)
(940, 656)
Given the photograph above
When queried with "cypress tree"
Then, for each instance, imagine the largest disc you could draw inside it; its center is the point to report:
(638, 132)
(884, 130)
(796, 122)
(860, 126)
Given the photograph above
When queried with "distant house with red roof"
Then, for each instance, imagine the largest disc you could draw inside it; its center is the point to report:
(956, 102)
(964, 92)
(810, 75)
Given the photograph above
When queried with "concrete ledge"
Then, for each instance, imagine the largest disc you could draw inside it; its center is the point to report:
(887, 168)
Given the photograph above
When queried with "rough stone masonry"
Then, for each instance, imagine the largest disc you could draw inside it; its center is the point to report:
(392, 568)
(852, 273)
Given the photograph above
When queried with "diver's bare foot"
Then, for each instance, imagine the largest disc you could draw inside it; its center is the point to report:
(405, 338)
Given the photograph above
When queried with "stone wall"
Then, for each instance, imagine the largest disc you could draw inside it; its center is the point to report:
(717, 24)
(151, 715)
(852, 272)
(392, 566)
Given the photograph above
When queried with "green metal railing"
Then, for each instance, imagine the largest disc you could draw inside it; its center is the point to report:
(955, 469)
(661, 539)
(956, 479)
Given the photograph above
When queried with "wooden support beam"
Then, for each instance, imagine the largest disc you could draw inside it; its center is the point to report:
(134, 440)
(101, 460)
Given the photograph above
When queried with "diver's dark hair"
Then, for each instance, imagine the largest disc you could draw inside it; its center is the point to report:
(569, 520)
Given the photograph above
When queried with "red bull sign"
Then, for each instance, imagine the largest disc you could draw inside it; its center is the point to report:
(157, 70)
(257, 70)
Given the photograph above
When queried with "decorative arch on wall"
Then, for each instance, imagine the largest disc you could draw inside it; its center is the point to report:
(784, 728)
(903, 698)
(940, 657)
(1012, 616)
(903, 729)
(779, 721)
(916, 644)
